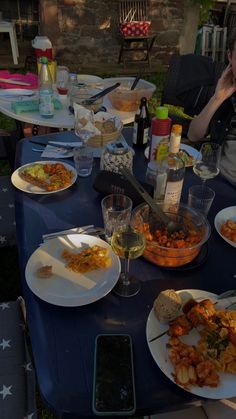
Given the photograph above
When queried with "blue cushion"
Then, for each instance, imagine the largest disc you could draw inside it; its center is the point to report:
(17, 379)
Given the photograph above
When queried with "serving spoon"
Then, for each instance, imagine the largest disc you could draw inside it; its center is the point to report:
(157, 213)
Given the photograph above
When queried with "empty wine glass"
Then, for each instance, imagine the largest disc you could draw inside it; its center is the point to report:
(207, 163)
(80, 130)
(128, 243)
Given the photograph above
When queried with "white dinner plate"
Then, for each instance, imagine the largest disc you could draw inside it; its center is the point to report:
(190, 150)
(16, 92)
(24, 186)
(227, 385)
(222, 216)
(67, 288)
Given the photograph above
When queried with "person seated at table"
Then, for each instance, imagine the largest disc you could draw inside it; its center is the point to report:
(218, 117)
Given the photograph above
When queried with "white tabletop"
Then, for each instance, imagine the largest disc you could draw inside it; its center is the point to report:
(62, 118)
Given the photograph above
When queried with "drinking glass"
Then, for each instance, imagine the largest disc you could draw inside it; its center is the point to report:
(207, 163)
(128, 243)
(83, 159)
(201, 198)
(62, 79)
(116, 211)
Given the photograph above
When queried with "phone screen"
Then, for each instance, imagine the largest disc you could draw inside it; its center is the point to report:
(113, 380)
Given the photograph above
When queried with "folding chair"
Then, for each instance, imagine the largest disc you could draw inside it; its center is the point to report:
(136, 44)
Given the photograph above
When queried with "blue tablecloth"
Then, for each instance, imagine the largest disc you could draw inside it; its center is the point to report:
(63, 338)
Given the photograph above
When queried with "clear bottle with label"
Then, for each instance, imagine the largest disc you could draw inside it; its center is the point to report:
(46, 106)
(170, 172)
(141, 125)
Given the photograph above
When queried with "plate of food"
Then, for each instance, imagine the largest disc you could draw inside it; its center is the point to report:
(72, 270)
(225, 224)
(192, 338)
(187, 153)
(44, 177)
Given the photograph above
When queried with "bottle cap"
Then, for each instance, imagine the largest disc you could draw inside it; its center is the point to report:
(152, 166)
(44, 60)
(162, 112)
(177, 129)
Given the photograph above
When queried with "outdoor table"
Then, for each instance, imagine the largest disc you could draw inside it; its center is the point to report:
(62, 118)
(63, 338)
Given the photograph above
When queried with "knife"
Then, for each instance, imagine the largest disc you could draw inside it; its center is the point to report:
(10, 81)
(66, 147)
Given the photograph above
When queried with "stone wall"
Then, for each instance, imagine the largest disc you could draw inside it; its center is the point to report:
(85, 32)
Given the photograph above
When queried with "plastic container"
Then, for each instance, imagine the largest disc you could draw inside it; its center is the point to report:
(123, 98)
(43, 47)
(160, 131)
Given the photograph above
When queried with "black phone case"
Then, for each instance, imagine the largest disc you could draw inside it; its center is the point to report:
(115, 413)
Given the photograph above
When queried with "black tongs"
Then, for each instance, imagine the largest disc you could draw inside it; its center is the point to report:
(104, 92)
(171, 225)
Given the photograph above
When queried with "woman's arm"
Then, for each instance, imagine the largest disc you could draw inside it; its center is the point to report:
(226, 86)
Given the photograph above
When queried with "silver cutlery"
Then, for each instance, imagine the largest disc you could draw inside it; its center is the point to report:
(63, 146)
(92, 231)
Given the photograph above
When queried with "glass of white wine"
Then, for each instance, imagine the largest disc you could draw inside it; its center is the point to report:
(207, 163)
(128, 243)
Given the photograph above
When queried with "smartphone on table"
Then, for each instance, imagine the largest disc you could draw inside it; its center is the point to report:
(113, 387)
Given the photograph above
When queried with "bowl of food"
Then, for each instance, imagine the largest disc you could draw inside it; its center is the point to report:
(79, 95)
(172, 249)
(123, 98)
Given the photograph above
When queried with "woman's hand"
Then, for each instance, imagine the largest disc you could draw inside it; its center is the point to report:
(226, 85)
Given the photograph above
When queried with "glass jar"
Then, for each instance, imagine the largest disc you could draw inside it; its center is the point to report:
(151, 173)
(117, 155)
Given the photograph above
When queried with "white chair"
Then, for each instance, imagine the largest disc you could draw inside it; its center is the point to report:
(10, 28)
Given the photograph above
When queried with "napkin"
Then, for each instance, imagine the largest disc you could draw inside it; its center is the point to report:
(28, 78)
(58, 152)
(84, 122)
(31, 106)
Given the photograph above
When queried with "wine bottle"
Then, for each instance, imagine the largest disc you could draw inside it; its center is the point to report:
(170, 172)
(141, 125)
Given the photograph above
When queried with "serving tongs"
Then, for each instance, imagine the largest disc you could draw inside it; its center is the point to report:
(157, 212)
(104, 92)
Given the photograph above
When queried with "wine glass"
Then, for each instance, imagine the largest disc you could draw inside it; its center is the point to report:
(128, 243)
(207, 164)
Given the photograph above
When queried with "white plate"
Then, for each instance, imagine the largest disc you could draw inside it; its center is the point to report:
(16, 92)
(67, 288)
(190, 150)
(88, 78)
(24, 186)
(222, 216)
(226, 387)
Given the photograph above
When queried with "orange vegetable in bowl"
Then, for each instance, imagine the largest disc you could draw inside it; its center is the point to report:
(172, 249)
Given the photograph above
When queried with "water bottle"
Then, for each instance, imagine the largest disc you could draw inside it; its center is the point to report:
(46, 106)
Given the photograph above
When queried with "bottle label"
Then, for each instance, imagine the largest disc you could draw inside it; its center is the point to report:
(174, 143)
(145, 135)
(173, 192)
(135, 133)
(46, 106)
(156, 142)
